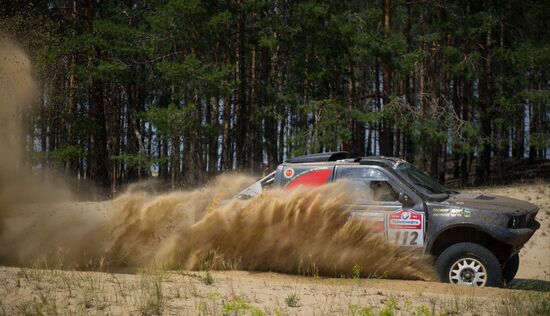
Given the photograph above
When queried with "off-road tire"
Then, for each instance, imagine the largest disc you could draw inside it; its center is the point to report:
(467, 250)
(510, 268)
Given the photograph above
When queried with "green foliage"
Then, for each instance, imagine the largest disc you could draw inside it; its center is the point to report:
(530, 303)
(423, 310)
(539, 140)
(207, 279)
(290, 77)
(172, 120)
(356, 271)
(389, 307)
(109, 70)
(329, 126)
(136, 160)
(356, 310)
(467, 141)
(66, 153)
(235, 307)
(184, 71)
(430, 131)
(292, 300)
(366, 117)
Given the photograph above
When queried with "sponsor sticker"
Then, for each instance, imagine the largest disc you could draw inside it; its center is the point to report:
(406, 228)
(406, 219)
(289, 173)
(448, 212)
(312, 170)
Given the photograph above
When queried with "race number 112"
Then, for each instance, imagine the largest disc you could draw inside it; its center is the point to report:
(402, 238)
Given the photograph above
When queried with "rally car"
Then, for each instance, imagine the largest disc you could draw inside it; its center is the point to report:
(474, 238)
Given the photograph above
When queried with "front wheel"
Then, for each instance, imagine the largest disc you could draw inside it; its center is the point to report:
(471, 264)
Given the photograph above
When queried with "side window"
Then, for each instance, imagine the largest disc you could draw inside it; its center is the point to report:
(371, 183)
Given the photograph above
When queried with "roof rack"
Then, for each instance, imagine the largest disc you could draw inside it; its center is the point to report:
(321, 157)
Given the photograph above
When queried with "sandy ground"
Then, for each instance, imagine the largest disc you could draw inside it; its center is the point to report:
(31, 291)
(148, 292)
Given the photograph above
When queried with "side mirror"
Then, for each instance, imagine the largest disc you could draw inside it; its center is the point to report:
(405, 199)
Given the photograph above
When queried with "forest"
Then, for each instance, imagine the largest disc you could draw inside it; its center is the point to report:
(183, 90)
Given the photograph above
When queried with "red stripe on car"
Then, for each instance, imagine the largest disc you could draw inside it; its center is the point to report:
(313, 178)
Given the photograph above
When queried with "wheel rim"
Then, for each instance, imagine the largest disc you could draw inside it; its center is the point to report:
(468, 271)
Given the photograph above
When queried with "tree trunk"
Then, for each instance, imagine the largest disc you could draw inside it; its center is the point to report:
(227, 153)
(483, 171)
(386, 135)
(99, 160)
(213, 138)
(242, 115)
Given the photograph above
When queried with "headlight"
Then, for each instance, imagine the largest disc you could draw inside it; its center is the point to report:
(514, 222)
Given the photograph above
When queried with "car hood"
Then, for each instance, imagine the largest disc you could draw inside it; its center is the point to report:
(491, 202)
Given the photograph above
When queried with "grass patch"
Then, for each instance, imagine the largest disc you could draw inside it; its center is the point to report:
(151, 299)
(356, 310)
(292, 300)
(356, 274)
(529, 304)
(207, 279)
(423, 310)
(239, 306)
(389, 307)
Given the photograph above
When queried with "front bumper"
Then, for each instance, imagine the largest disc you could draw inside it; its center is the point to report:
(517, 237)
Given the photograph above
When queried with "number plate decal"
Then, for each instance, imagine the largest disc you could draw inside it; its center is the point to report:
(406, 228)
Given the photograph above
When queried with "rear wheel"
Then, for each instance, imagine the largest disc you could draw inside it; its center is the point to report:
(510, 269)
(470, 264)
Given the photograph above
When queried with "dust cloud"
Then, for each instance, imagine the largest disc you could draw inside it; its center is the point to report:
(303, 231)
(17, 94)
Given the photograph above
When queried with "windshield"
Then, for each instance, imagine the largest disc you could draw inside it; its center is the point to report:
(421, 180)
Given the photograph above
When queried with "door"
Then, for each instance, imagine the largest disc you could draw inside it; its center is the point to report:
(378, 195)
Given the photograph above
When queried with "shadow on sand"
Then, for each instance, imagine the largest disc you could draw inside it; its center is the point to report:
(530, 284)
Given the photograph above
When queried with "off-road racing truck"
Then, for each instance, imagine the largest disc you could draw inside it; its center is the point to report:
(475, 239)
